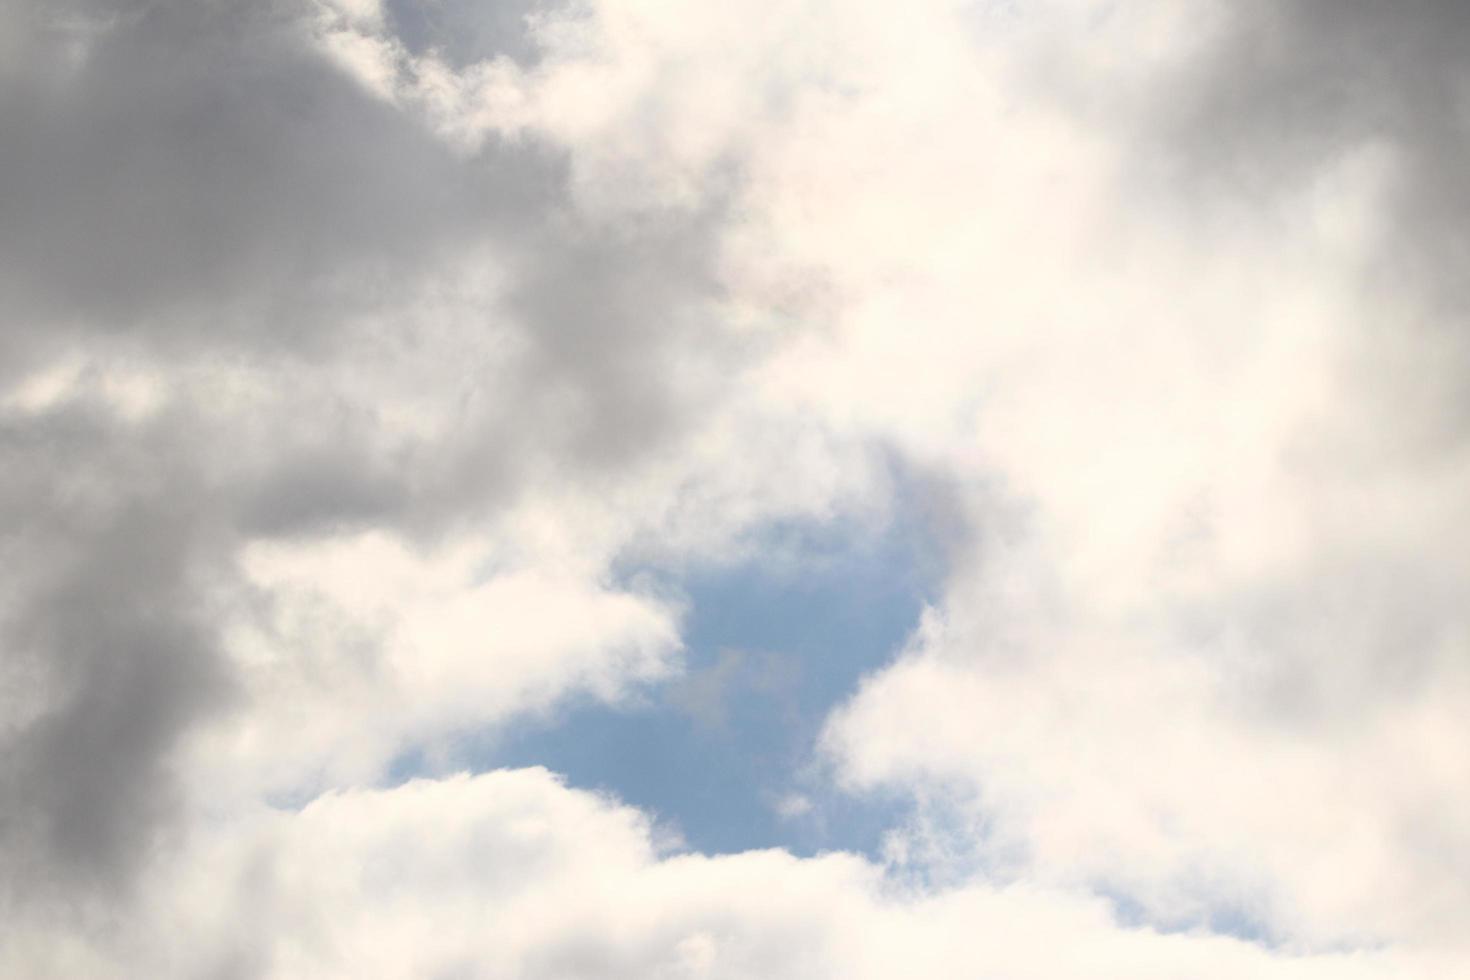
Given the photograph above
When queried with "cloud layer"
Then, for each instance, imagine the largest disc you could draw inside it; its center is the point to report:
(358, 361)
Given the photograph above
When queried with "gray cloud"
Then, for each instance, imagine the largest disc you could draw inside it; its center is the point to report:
(1283, 95)
(463, 31)
(1294, 85)
(199, 162)
(190, 187)
(109, 646)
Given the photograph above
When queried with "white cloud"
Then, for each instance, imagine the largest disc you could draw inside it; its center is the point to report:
(509, 874)
(1152, 675)
(426, 646)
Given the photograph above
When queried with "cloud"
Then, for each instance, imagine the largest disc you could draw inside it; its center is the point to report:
(110, 649)
(352, 351)
(511, 874)
(1206, 651)
(364, 628)
(196, 162)
(271, 334)
(247, 300)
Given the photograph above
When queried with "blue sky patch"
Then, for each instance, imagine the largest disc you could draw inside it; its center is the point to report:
(725, 753)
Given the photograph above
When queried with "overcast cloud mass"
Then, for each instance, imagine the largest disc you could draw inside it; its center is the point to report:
(393, 388)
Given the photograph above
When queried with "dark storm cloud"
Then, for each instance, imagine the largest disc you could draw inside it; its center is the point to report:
(187, 181)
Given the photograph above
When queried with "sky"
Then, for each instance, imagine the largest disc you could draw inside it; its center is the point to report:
(556, 489)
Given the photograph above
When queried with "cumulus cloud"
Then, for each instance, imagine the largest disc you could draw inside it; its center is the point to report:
(353, 352)
(1221, 602)
(511, 874)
